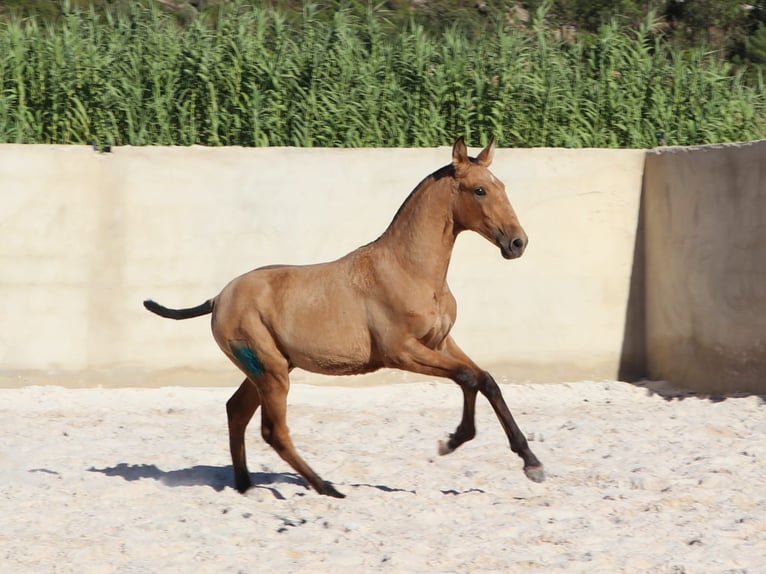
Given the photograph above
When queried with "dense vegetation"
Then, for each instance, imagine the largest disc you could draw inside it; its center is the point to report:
(253, 75)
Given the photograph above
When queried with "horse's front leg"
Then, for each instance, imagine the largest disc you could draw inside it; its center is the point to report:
(466, 430)
(533, 468)
(454, 364)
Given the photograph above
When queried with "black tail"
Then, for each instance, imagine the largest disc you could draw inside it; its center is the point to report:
(199, 310)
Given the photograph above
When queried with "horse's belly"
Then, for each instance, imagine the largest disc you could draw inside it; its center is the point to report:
(329, 361)
(337, 350)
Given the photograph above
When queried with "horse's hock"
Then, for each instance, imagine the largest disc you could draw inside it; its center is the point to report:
(672, 287)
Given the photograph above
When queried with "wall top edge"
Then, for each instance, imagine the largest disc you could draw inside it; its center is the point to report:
(703, 148)
(218, 149)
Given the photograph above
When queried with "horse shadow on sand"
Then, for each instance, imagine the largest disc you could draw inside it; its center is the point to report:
(218, 478)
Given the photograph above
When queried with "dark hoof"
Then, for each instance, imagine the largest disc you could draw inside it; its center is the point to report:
(243, 483)
(243, 488)
(535, 473)
(329, 490)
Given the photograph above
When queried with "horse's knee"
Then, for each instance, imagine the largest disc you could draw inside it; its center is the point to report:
(466, 378)
(488, 387)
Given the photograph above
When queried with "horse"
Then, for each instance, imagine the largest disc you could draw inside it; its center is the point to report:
(385, 305)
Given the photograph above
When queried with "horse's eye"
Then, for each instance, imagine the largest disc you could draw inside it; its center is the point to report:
(480, 191)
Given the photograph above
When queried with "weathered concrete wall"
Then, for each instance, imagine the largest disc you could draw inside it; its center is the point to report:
(705, 214)
(85, 237)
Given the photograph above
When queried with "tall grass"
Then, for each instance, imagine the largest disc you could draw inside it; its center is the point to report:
(254, 78)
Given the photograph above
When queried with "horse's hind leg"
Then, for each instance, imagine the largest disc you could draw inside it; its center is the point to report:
(240, 408)
(276, 434)
(267, 368)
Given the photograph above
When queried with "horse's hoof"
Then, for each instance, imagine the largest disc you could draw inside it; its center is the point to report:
(329, 490)
(535, 473)
(445, 448)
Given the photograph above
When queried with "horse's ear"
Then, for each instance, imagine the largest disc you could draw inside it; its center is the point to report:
(459, 152)
(486, 155)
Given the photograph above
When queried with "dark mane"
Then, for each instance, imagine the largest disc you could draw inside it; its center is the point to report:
(446, 171)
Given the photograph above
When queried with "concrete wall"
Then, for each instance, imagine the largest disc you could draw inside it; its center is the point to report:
(705, 214)
(85, 237)
(610, 286)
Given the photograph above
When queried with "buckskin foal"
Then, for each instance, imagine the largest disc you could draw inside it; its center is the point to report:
(387, 304)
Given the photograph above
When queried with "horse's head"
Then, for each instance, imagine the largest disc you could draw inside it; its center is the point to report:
(481, 203)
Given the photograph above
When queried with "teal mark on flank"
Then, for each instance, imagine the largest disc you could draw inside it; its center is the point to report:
(247, 358)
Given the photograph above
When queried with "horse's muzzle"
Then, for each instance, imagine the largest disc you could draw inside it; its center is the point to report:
(511, 246)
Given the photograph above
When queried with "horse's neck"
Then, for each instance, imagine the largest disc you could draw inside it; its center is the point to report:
(422, 234)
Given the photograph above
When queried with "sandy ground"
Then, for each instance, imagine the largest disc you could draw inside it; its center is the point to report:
(139, 480)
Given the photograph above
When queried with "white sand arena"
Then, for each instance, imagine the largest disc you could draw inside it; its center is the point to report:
(139, 481)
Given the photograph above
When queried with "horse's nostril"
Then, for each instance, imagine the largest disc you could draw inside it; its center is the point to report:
(518, 243)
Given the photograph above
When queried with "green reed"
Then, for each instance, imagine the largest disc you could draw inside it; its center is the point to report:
(253, 77)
